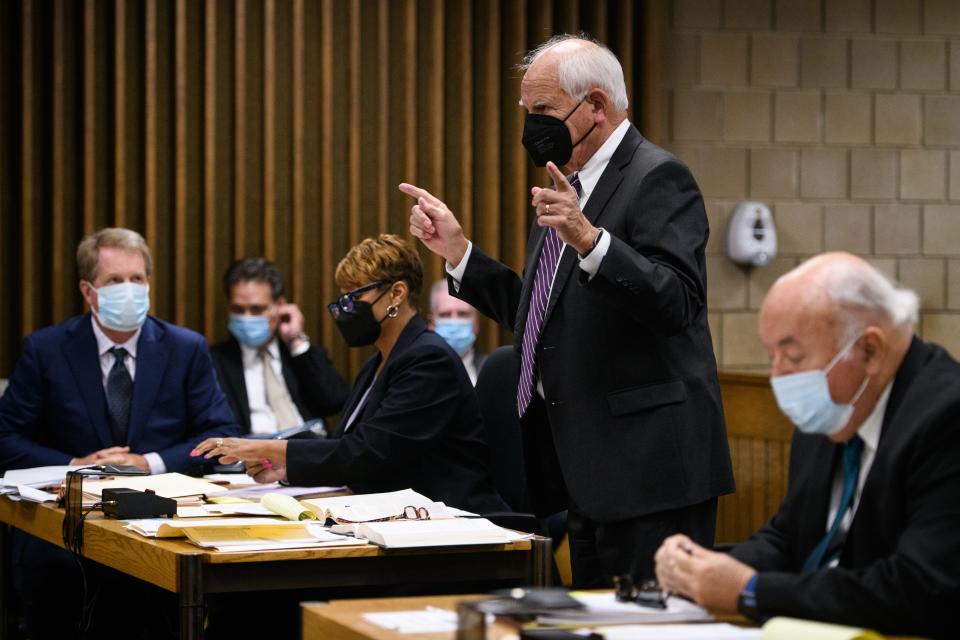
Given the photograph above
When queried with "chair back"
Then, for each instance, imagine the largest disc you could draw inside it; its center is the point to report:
(497, 393)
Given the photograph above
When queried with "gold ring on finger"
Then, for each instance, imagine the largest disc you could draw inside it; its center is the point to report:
(548, 207)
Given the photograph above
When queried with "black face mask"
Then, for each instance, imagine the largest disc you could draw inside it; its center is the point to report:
(358, 327)
(547, 139)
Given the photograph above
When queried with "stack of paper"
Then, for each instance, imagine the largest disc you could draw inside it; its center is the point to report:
(28, 484)
(399, 534)
(707, 631)
(168, 485)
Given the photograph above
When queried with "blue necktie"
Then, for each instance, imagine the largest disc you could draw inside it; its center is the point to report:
(119, 395)
(851, 474)
(539, 296)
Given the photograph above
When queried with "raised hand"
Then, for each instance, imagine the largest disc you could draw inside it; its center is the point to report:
(560, 208)
(435, 225)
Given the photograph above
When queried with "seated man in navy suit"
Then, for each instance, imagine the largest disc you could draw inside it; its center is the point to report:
(112, 386)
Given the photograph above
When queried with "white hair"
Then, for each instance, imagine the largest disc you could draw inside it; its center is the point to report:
(582, 69)
(862, 294)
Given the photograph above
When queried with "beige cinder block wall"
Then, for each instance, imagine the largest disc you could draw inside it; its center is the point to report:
(844, 117)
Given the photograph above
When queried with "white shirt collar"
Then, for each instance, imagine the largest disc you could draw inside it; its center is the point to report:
(869, 431)
(252, 354)
(590, 173)
(104, 344)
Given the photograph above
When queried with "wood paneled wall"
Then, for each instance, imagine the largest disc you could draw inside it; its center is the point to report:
(759, 436)
(224, 128)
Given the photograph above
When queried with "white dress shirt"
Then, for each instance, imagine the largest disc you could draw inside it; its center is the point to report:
(470, 364)
(262, 419)
(104, 345)
(869, 432)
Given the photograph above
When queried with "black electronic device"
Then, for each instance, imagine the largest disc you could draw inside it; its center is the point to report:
(124, 503)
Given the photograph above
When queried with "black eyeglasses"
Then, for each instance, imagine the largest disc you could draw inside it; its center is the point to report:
(648, 594)
(347, 302)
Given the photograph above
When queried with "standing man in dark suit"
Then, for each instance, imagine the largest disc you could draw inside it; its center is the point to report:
(618, 392)
(867, 533)
(458, 323)
(113, 386)
(299, 383)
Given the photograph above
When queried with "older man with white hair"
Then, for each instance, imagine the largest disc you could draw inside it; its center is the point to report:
(618, 394)
(868, 532)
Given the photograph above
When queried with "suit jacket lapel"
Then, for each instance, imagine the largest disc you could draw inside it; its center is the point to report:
(237, 383)
(359, 388)
(826, 456)
(80, 350)
(151, 364)
(606, 186)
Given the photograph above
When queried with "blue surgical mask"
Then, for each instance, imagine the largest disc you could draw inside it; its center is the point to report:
(123, 307)
(459, 334)
(805, 398)
(252, 331)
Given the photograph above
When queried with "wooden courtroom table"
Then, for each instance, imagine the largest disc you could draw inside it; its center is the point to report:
(343, 619)
(192, 572)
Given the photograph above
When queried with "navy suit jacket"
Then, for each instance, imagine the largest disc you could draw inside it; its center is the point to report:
(899, 568)
(55, 408)
(420, 428)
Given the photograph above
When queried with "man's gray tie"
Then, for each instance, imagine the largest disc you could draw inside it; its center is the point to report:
(278, 397)
(539, 296)
(119, 396)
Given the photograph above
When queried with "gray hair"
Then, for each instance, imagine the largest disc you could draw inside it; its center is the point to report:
(580, 70)
(862, 294)
(88, 251)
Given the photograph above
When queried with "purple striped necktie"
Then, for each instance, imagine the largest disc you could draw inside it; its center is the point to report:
(539, 296)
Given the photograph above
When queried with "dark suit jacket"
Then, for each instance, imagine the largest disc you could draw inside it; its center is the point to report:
(314, 385)
(899, 569)
(55, 408)
(420, 428)
(625, 358)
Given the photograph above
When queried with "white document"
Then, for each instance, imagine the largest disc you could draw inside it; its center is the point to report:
(168, 485)
(436, 533)
(35, 495)
(238, 509)
(370, 507)
(604, 608)
(38, 476)
(427, 620)
(704, 631)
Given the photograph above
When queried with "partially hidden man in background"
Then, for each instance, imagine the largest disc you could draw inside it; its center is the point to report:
(458, 323)
(618, 394)
(867, 533)
(273, 375)
(112, 386)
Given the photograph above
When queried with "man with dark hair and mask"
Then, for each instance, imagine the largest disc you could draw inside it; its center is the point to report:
(273, 375)
(113, 386)
(618, 392)
(867, 533)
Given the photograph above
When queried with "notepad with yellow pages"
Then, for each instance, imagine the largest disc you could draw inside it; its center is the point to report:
(242, 534)
(782, 628)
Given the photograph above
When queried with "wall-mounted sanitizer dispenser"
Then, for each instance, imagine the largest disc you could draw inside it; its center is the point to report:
(751, 236)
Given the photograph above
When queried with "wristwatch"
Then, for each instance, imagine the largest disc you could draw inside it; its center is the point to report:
(596, 241)
(747, 603)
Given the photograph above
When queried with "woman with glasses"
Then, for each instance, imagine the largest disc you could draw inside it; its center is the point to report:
(412, 419)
